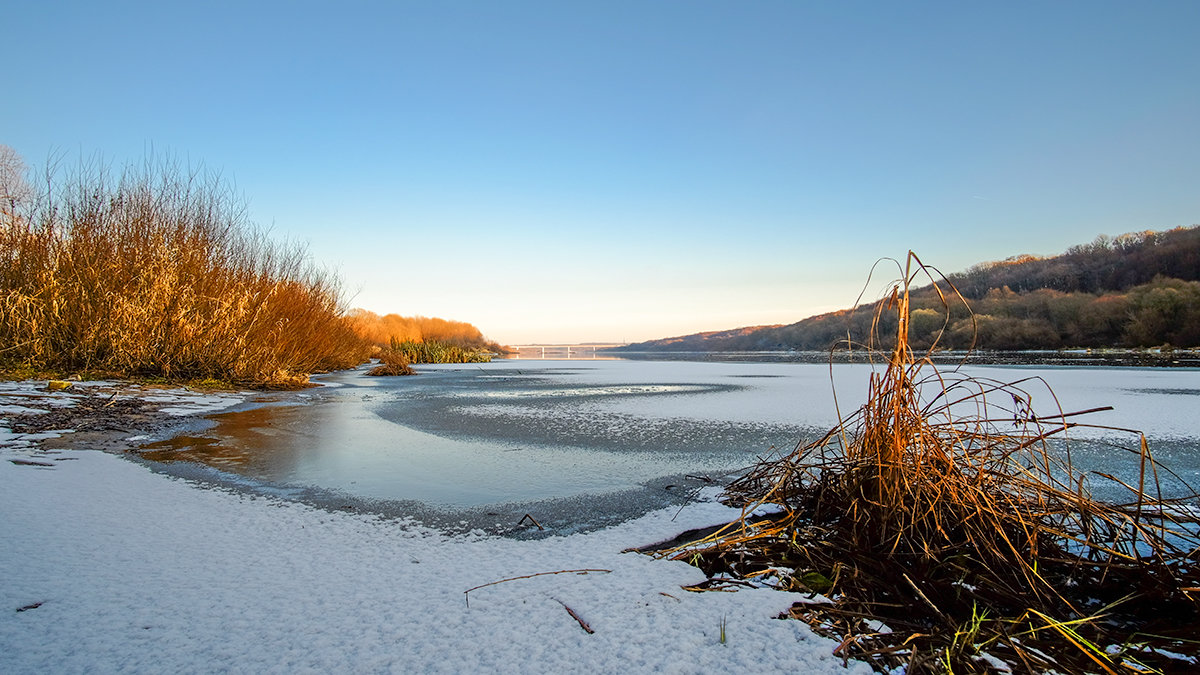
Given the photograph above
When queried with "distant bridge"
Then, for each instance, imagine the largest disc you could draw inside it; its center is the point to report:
(580, 351)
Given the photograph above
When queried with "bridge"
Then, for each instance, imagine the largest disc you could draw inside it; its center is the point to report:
(580, 351)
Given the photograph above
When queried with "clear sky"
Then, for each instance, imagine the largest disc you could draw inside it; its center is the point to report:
(610, 171)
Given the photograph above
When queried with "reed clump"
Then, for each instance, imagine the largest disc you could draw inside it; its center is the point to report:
(947, 530)
(438, 351)
(391, 363)
(156, 271)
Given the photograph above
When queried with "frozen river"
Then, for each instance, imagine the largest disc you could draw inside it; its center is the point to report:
(582, 444)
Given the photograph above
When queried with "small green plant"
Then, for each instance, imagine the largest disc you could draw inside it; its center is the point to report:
(966, 640)
(436, 351)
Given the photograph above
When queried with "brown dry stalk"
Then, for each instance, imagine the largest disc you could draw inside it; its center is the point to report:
(530, 519)
(467, 593)
(582, 624)
(951, 494)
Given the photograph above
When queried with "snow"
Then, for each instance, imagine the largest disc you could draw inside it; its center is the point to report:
(768, 393)
(175, 402)
(1159, 401)
(108, 567)
(192, 403)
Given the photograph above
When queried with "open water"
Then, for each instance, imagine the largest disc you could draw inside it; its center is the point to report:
(583, 444)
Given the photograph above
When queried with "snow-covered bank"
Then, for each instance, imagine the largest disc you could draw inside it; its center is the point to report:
(30, 413)
(109, 567)
(118, 568)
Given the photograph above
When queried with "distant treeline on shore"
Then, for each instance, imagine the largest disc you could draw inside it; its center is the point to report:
(1135, 290)
(156, 271)
(391, 329)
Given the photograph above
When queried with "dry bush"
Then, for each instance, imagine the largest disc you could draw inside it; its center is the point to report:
(390, 329)
(391, 363)
(948, 509)
(158, 272)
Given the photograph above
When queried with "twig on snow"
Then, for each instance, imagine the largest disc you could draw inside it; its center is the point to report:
(467, 592)
(582, 624)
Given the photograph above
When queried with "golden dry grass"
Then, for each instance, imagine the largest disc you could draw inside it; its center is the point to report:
(158, 272)
(948, 509)
(389, 329)
(391, 363)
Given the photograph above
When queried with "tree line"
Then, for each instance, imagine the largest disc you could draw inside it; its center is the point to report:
(1135, 290)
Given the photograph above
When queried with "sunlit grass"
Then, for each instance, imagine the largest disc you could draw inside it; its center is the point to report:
(436, 351)
(384, 330)
(157, 272)
(946, 524)
(391, 363)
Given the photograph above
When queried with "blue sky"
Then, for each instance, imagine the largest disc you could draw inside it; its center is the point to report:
(567, 172)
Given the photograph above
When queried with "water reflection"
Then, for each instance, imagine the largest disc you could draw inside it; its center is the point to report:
(479, 436)
(191, 448)
(342, 444)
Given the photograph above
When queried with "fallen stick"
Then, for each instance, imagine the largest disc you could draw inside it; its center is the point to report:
(582, 624)
(532, 520)
(929, 602)
(467, 592)
(29, 462)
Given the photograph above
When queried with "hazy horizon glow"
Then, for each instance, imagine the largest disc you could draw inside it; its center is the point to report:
(564, 172)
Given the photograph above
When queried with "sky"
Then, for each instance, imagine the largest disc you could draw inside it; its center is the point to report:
(574, 172)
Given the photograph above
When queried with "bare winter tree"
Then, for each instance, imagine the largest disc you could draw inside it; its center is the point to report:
(14, 189)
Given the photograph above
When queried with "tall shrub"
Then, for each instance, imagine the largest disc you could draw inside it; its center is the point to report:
(158, 271)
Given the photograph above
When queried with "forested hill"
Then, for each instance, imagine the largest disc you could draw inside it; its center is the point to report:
(1135, 290)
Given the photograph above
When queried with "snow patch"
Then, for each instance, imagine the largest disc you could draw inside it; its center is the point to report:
(138, 572)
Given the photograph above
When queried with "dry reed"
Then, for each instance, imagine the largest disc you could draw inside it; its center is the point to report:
(949, 530)
(391, 363)
(157, 272)
(437, 351)
(384, 330)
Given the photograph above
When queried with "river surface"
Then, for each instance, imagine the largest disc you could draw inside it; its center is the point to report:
(583, 444)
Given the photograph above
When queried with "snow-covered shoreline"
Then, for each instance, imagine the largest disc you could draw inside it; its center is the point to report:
(107, 406)
(109, 566)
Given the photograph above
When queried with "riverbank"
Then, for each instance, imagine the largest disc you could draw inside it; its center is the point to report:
(110, 415)
(110, 566)
(105, 542)
(1109, 357)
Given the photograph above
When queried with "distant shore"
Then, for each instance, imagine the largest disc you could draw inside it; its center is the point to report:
(1142, 358)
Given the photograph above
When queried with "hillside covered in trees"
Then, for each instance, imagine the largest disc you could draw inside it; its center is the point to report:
(1135, 290)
